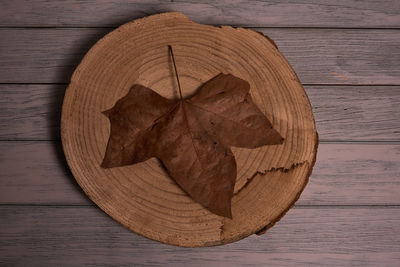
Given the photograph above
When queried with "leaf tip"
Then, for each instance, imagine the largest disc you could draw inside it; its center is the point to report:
(274, 137)
(224, 213)
(229, 214)
(107, 163)
(106, 112)
(222, 209)
(104, 165)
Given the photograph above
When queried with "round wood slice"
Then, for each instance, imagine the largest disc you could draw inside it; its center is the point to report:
(143, 197)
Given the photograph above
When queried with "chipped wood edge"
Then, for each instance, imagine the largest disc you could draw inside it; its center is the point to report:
(265, 228)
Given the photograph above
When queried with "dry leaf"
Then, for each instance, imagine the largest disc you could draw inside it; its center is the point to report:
(191, 137)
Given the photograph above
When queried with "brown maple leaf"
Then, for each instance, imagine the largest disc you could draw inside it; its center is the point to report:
(191, 137)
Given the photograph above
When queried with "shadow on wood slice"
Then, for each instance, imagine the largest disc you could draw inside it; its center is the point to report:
(143, 197)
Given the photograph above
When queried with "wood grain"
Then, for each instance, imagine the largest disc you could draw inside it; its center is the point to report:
(344, 174)
(30, 112)
(319, 56)
(35, 172)
(350, 113)
(356, 113)
(142, 196)
(288, 13)
(78, 236)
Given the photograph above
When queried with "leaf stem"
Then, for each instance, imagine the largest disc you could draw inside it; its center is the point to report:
(176, 71)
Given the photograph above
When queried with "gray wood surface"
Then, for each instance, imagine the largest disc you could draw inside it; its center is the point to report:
(344, 174)
(76, 236)
(319, 56)
(346, 53)
(362, 113)
(288, 13)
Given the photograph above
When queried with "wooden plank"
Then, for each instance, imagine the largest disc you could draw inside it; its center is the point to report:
(341, 56)
(289, 13)
(344, 174)
(361, 113)
(43, 55)
(37, 173)
(319, 56)
(76, 236)
(30, 112)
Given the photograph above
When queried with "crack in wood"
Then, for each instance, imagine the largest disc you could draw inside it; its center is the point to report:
(273, 169)
(263, 173)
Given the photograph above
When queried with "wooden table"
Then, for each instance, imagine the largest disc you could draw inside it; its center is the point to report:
(347, 55)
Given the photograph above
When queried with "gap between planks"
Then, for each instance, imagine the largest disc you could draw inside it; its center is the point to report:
(215, 25)
(359, 142)
(297, 206)
(303, 84)
(318, 13)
